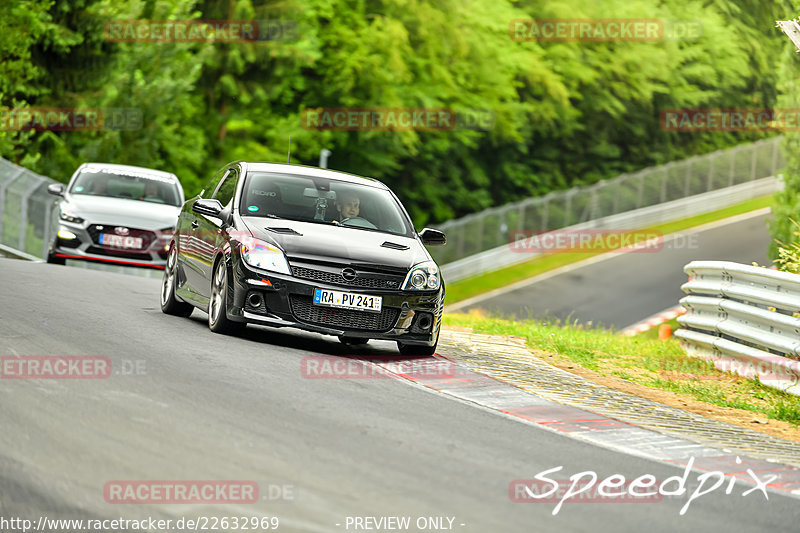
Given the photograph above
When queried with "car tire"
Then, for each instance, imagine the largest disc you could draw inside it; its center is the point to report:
(218, 320)
(416, 349)
(170, 304)
(353, 341)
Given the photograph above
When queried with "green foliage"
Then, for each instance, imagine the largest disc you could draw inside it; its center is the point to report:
(787, 201)
(565, 113)
(788, 259)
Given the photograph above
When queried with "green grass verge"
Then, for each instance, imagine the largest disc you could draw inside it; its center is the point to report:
(652, 333)
(639, 359)
(466, 288)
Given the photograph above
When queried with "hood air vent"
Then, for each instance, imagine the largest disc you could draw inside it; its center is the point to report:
(284, 231)
(394, 245)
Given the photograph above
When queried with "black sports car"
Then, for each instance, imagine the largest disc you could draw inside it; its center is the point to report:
(324, 251)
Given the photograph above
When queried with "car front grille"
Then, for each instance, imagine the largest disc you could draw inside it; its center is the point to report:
(119, 254)
(95, 230)
(366, 280)
(305, 311)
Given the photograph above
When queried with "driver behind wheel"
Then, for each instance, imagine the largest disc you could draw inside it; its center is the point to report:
(347, 204)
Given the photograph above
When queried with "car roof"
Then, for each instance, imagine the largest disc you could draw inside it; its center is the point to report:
(308, 171)
(130, 168)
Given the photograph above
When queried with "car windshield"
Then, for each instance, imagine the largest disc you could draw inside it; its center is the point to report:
(324, 201)
(130, 185)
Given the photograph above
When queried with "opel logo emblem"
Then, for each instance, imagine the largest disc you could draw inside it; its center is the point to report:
(121, 231)
(348, 274)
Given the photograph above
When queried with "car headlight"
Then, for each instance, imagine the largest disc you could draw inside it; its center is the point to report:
(423, 277)
(165, 234)
(69, 215)
(262, 254)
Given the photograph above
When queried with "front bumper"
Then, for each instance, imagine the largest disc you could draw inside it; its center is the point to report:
(85, 247)
(406, 316)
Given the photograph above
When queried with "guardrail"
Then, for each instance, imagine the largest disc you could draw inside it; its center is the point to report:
(26, 209)
(491, 228)
(745, 319)
(507, 255)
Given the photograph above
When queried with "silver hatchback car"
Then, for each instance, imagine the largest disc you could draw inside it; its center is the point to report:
(116, 214)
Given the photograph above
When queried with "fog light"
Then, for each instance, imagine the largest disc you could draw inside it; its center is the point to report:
(66, 235)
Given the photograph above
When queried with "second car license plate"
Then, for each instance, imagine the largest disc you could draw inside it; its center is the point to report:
(348, 300)
(121, 241)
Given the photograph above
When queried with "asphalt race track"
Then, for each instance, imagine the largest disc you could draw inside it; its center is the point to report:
(182, 403)
(629, 287)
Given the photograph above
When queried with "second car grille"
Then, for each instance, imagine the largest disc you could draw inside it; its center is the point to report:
(305, 311)
(96, 229)
(379, 281)
(119, 254)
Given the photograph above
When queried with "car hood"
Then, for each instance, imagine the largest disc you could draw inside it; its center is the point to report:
(123, 212)
(337, 244)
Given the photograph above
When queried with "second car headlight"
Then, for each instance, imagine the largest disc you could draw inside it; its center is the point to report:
(423, 277)
(69, 215)
(262, 254)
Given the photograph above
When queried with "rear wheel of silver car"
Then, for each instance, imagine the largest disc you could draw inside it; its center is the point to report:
(169, 302)
(218, 320)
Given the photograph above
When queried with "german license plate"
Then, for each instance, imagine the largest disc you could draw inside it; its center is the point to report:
(121, 241)
(348, 300)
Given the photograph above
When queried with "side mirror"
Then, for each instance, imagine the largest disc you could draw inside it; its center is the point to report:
(56, 189)
(211, 208)
(432, 237)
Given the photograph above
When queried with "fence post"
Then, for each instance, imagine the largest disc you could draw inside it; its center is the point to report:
(640, 194)
(480, 234)
(775, 147)
(3, 188)
(461, 240)
(711, 172)
(23, 213)
(593, 201)
(48, 208)
(619, 182)
(733, 166)
(545, 211)
(688, 181)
